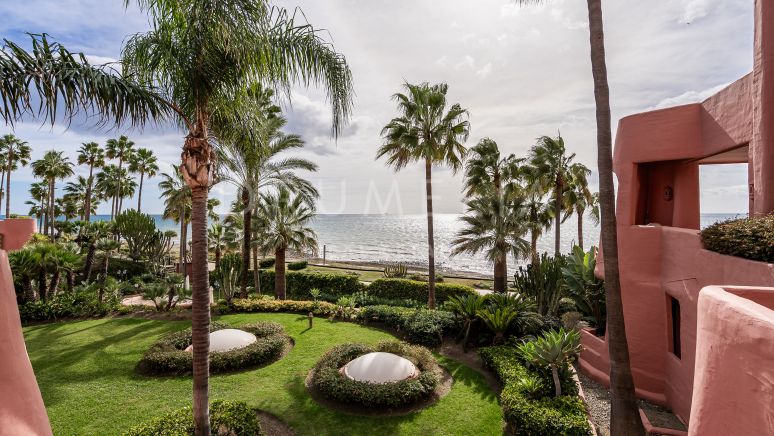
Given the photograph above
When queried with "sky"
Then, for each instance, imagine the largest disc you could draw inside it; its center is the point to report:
(522, 72)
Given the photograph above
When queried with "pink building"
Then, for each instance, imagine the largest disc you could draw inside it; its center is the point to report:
(700, 325)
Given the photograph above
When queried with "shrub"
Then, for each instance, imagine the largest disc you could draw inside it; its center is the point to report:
(420, 326)
(68, 305)
(751, 238)
(329, 381)
(554, 350)
(543, 282)
(299, 283)
(266, 305)
(527, 405)
(266, 263)
(168, 356)
(226, 417)
(124, 269)
(297, 266)
(585, 289)
(415, 290)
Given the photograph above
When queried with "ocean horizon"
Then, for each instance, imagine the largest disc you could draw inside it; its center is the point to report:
(403, 238)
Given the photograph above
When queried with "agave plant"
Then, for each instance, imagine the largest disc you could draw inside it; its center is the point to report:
(395, 271)
(227, 276)
(555, 349)
(467, 308)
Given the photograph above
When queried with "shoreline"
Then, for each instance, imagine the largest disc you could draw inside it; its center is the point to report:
(378, 266)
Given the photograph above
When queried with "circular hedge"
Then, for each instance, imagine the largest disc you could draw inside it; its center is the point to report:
(168, 356)
(328, 379)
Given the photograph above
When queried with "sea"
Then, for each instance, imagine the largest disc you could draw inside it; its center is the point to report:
(403, 238)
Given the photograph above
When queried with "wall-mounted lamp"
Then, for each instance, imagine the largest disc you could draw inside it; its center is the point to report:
(668, 193)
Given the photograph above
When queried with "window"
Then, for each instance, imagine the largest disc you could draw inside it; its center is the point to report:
(675, 322)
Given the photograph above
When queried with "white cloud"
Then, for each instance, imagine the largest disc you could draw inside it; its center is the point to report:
(689, 97)
(485, 71)
(695, 9)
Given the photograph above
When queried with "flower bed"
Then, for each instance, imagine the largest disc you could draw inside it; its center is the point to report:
(333, 384)
(168, 356)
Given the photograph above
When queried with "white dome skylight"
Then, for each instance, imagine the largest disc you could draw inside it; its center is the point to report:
(380, 368)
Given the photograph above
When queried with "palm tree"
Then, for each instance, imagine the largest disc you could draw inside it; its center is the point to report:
(216, 238)
(115, 183)
(426, 132)
(177, 206)
(39, 195)
(93, 155)
(624, 414)
(486, 171)
(15, 152)
(144, 163)
(577, 197)
(123, 150)
(52, 167)
(551, 166)
(82, 196)
(253, 163)
(537, 219)
(284, 221)
(192, 58)
(94, 232)
(107, 246)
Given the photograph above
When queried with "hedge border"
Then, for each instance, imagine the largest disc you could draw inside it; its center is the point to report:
(748, 238)
(226, 417)
(167, 356)
(327, 379)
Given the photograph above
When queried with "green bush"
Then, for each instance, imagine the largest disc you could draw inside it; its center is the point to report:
(266, 263)
(168, 356)
(420, 326)
(321, 308)
(226, 417)
(415, 290)
(331, 382)
(299, 283)
(67, 305)
(117, 266)
(751, 238)
(528, 410)
(297, 266)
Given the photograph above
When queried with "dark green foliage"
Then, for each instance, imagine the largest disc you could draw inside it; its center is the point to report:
(297, 266)
(267, 305)
(300, 282)
(586, 290)
(527, 416)
(751, 238)
(67, 305)
(139, 232)
(420, 326)
(415, 290)
(168, 356)
(543, 282)
(124, 269)
(227, 417)
(332, 383)
(266, 263)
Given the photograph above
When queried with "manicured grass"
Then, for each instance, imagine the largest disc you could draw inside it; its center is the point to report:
(86, 373)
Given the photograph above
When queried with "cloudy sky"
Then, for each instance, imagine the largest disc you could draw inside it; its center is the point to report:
(521, 72)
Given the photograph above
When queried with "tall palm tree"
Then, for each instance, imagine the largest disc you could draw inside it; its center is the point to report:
(577, 197)
(123, 150)
(144, 163)
(39, 200)
(537, 219)
(177, 206)
(16, 153)
(192, 58)
(624, 415)
(426, 132)
(252, 163)
(284, 220)
(79, 192)
(494, 225)
(53, 166)
(115, 183)
(551, 166)
(217, 240)
(93, 155)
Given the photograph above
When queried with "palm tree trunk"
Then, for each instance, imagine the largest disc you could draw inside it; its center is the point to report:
(42, 294)
(218, 256)
(533, 244)
(119, 195)
(8, 185)
(624, 416)
(200, 311)
(87, 201)
(29, 292)
(52, 215)
(580, 229)
(500, 276)
(557, 382)
(89, 262)
(256, 272)
(54, 284)
(557, 217)
(70, 280)
(430, 239)
(183, 244)
(279, 273)
(247, 219)
(105, 267)
(139, 193)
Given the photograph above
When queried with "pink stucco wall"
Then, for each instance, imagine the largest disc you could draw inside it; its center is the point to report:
(734, 393)
(21, 406)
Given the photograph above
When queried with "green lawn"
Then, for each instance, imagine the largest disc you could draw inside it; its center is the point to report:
(86, 373)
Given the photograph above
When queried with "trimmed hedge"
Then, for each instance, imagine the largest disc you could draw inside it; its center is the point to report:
(299, 283)
(296, 266)
(415, 290)
(750, 238)
(266, 263)
(526, 414)
(226, 417)
(420, 326)
(168, 356)
(263, 305)
(332, 383)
